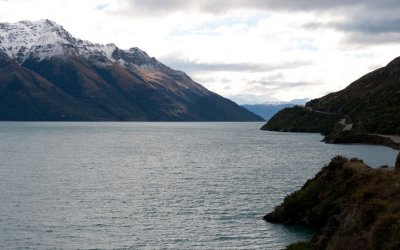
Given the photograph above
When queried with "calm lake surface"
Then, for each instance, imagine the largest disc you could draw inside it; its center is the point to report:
(155, 185)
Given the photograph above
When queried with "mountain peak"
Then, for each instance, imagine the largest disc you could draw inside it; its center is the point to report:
(45, 39)
(41, 22)
(40, 39)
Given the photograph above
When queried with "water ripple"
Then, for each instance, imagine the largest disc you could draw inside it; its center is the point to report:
(154, 185)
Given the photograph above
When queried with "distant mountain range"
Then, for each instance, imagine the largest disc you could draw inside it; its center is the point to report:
(269, 109)
(367, 111)
(47, 74)
(266, 111)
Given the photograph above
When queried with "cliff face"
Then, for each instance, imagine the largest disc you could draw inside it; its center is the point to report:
(370, 105)
(351, 206)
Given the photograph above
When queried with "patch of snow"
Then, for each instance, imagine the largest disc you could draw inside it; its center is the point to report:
(122, 62)
(44, 39)
(108, 49)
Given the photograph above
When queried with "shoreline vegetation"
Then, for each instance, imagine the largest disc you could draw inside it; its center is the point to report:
(301, 119)
(348, 204)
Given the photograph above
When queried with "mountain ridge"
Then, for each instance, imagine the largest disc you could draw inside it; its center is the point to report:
(98, 82)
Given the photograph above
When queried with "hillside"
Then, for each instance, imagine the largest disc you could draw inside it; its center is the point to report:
(368, 106)
(299, 119)
(350, 205)
(47, 74)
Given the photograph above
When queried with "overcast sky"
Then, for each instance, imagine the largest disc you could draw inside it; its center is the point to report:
(247, 50)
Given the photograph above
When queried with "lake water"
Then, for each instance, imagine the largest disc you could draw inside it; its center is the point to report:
(155, 185)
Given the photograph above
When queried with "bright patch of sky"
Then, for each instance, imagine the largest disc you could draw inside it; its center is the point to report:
(250, 51)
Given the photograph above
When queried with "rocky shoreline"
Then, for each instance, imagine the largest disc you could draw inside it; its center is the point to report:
(349, 204)
(349, 137)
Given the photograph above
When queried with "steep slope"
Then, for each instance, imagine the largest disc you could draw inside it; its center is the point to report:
(368, 106)
(28, 96)
(372, 103)
(103, 82)
(350, 205)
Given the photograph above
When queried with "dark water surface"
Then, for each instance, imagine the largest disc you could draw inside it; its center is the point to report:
(155, 185)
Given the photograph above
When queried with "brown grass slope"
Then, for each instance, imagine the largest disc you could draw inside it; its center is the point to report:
(351, 206)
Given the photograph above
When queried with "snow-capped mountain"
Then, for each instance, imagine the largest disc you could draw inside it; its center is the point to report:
(47, 74)
(44, 39)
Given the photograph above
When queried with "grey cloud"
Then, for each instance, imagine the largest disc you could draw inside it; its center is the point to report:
(368, 31)
(360, 40)
(211, 6)
(265, 84)
(361, 25)
(315, 26)
(310, 5)
(193, 66)
(365, 30)
(209, 79)
(160, 5)
(361, 19)
(371, 26)
(268, 85)
(238, 67)
(274, 77)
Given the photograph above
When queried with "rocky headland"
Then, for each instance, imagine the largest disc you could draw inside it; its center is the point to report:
(349, 204)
